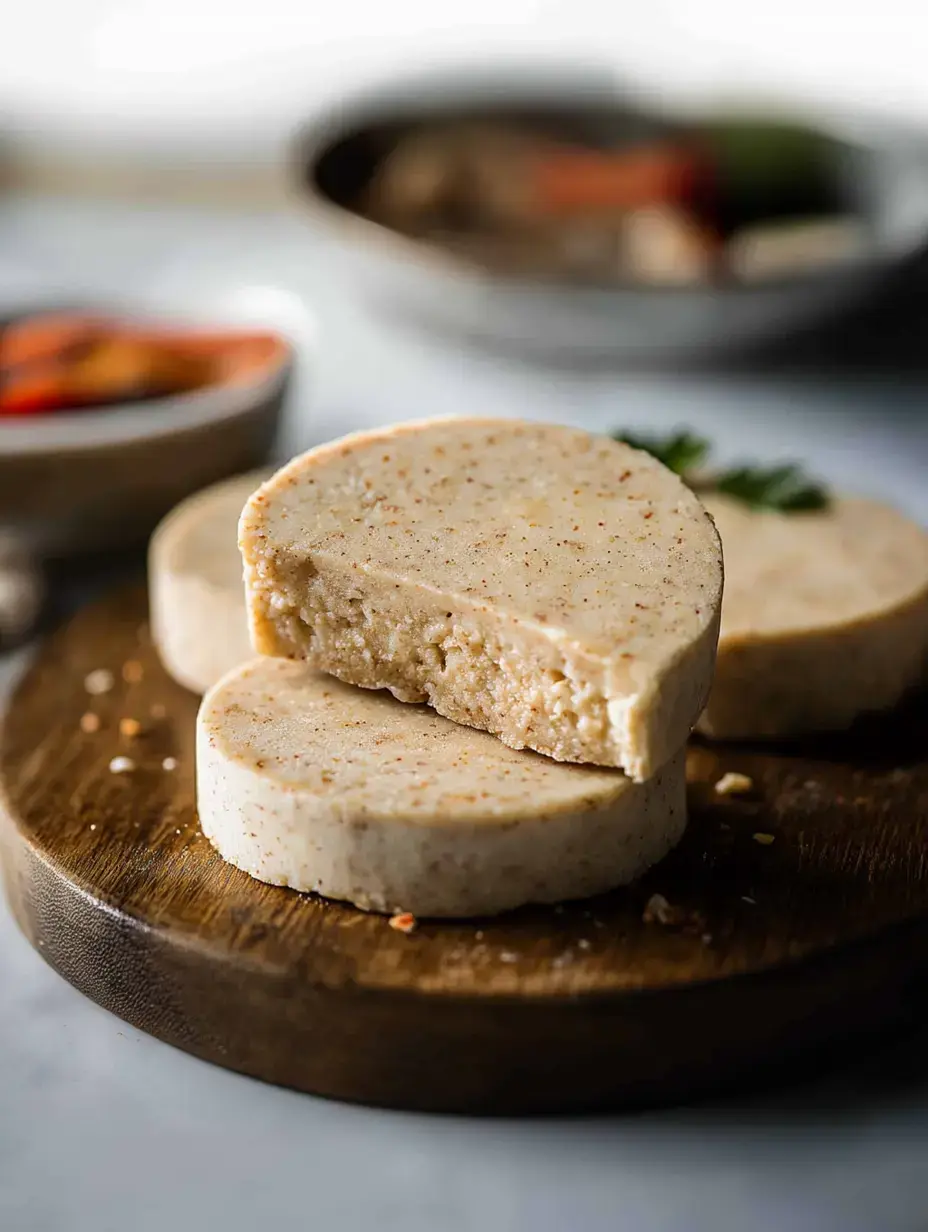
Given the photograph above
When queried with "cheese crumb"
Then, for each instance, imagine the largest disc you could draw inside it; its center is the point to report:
(90, 722)
(734, 784)
(764, 839)
(99, 681)
(658, 910)
(122, 765)
(403, 922)
(129, 728)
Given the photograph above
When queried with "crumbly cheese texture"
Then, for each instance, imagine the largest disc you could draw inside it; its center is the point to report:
(557, 589)
(196, 592)
(306, 782)
(825, 617)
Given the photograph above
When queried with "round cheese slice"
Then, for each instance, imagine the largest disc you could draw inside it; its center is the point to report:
(197, 597)
(306, 782)
(825, 617)
(558, 589)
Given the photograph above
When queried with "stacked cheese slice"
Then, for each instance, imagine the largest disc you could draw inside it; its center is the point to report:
(542, 604)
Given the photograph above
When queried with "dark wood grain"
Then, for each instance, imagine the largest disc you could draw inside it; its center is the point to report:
(780, 950)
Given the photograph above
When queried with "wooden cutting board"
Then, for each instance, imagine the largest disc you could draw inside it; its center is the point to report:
(797, 919)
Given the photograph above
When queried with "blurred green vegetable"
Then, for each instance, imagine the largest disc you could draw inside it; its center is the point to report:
(785, 488)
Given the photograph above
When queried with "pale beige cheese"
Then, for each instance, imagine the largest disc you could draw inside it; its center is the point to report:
(555, 588)
(196, 592)
(825, 617)
(306, 782)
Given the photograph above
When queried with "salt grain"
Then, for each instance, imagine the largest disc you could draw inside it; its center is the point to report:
(99, 681)
(169, 763)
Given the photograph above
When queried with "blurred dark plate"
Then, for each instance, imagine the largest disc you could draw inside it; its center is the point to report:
(884, 171)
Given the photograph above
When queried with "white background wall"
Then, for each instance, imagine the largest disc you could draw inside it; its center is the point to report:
(177, 73)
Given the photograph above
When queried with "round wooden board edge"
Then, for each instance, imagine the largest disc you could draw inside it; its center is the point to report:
(634, 1050)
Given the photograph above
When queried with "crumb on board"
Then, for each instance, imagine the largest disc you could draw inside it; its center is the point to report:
(746, 898)
(92, 826)
(99, 681)
(507, 956)
(132, 671)
(764, 839)
(734, 784)
(122, 765)
(130, 728)
(657, 910)
(90, 722)
(169, 763)
(158, 710)
(583, 944)
(479, 934)
(403, 922)
(706, 938)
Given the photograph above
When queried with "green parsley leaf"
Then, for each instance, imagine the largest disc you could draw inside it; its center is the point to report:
(785, 488)
(680, 452)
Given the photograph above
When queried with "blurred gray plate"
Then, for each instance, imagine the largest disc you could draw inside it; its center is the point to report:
(886, 173)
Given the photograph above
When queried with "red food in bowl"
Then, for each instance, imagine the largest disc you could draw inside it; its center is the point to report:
(72, 362)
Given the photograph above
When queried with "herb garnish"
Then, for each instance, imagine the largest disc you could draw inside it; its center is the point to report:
(785, 488)
(680, 452)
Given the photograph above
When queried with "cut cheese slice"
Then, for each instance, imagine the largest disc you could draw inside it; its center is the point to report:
(825, 617)
(306, 782)
(197, 596)
(558, 589)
